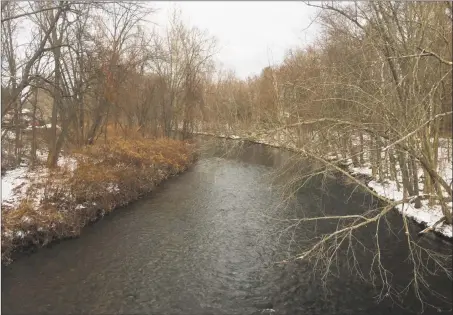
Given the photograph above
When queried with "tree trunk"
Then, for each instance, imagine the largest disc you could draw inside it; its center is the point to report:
(53, 154)
(353, 152)
(372, 154)
(379, 160)
(393, 171)
(33, 130)
(97, 122)
(361, 157)
(407, 187)
(17, 127)
(428, 188)
(415, 182)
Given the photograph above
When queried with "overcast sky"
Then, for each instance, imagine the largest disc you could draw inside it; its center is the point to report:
(251, 34)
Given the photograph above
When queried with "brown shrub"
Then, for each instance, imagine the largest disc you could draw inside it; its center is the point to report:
(107, 175)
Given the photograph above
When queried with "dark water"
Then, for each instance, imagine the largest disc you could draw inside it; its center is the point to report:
(210, 242)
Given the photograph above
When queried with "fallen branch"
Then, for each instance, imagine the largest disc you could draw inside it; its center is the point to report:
(432, 227)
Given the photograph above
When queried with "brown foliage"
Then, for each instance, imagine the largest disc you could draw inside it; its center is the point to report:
(107, 176)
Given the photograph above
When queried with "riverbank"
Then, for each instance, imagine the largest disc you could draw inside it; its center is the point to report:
(40, 206)
(427, 216)
(214, 241)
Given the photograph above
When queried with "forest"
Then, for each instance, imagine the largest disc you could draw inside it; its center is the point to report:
(94, 97)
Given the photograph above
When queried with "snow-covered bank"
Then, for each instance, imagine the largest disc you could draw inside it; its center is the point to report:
(427, 215)
(14, 186)
(16, 182)
(40, 205)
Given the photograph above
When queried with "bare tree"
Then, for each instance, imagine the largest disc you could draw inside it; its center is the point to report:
(372, 90)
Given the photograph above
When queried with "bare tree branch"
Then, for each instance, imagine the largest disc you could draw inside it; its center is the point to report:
(430, 53)
(27, 13)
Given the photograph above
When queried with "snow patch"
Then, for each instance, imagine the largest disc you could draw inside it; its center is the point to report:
(20, 234)
(67, 161)
(14, 186)
(426, 215)
(113, 187)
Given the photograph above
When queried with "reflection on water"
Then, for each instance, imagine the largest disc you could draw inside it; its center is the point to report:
(208, 242)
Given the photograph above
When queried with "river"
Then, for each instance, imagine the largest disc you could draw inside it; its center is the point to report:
(212, 241)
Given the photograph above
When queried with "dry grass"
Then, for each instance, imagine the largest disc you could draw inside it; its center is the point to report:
(107, 176)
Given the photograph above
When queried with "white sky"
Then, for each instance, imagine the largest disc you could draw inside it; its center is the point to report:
(251, 34)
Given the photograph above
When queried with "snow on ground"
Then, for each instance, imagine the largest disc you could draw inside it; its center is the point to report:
(113, 187)
(365, 170)
(67, 161)
(426, 215)
(14, 186)
(16, 182)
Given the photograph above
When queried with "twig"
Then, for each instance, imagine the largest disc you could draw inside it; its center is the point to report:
(417, 129)
(450, 63)
(432, 227)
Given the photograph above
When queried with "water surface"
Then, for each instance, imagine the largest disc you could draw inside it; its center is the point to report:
(210, 241)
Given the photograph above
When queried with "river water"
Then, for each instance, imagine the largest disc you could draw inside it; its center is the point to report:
(213, 241)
